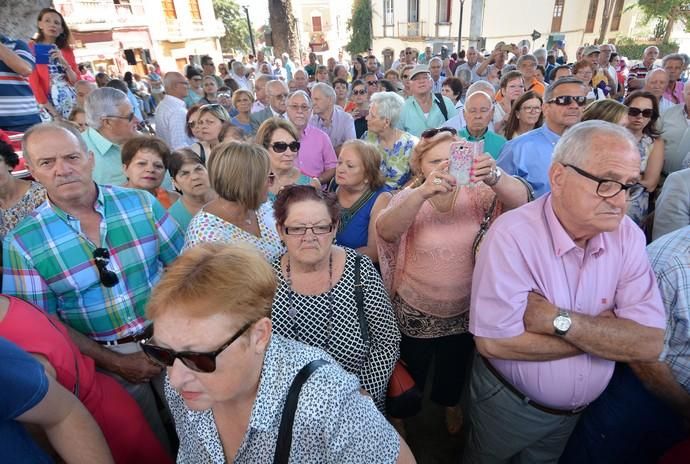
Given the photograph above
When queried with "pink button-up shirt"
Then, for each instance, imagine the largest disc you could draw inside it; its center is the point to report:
(316, 153)
(528, 249)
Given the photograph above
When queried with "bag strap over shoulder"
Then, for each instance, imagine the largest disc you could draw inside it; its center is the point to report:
(284, 443)
(359, 299)
(442, 105)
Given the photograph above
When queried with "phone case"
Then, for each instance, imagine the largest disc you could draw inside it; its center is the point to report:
(461, 158)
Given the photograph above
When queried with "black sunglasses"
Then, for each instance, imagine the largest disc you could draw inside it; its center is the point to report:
(102, 257)
(195, 360)
(280, 147)
(565, 100)
(646, 113)
(372, 82)
(359, 92)
(608, 188)
(427, 134)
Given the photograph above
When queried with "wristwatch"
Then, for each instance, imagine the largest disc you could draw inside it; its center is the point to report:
(562, 322)
(495, 177)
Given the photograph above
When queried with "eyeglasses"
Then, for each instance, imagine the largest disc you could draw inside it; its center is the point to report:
(646, 113)
(195, 360)
(280, 96)
(372, 82)
(191, 124)
(224, 95)
(280, 147)
(607, 188)
(129, 117)
(427, 134)
(102, 257)
(531, 109)
(299, 107)
(409, 53)
(359, 92)
(406, 76)
(302, 230)
(565, 100)
(210, 106)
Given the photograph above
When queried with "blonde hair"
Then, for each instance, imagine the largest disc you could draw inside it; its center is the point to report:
(424, 145)
(269, 126)
(213, 278)
(238, 93)
(370, 156)
(238, 172)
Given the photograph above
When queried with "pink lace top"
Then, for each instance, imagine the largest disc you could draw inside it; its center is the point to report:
(430, 266)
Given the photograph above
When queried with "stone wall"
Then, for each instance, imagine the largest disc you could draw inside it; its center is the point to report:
(18, 17)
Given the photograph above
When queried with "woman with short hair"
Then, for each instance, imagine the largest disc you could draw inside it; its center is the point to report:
(229, 375)
(144, 160)
(525, 115)
(242, 101)
(358, 107)
(584, 71)
(511, 88)
(210, 87)
(239, 174)
(341, 88)
(190, 178)
(208, 124)
(453, 88)
(396, 145)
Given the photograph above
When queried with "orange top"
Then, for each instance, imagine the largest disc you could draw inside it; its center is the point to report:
(163, 196)
(536, 87)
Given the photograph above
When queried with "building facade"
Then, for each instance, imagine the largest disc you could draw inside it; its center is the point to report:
(322, 26)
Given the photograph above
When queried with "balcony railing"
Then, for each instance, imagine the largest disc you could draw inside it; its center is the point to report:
(78, 12)
(415, 29)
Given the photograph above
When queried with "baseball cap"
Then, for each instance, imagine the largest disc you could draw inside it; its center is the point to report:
(419, 69)
(591, 49)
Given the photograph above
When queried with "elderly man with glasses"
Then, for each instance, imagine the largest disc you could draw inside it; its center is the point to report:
(276, 94)
(563, 289)
(90, 255)
(111, 122)
(529, 156)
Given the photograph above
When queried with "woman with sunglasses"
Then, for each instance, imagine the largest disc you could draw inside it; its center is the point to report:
(395, 144)
(426, 242)
(643, 113)
(190, 178)
(228, 374)
(525, 115)
(144, 161)
(240, 175)
(279, 137)
(208, 124)
(318, 283)
(192, 128)
(117, 414)
(358, 106)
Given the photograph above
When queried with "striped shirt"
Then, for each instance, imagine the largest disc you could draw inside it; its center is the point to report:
(48, 261)
(18, 107)
(670, 258)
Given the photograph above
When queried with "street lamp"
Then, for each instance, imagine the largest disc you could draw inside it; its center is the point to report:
(462, 4)
(249, 26)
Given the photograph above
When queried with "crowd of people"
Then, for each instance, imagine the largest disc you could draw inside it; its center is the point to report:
(239, 263)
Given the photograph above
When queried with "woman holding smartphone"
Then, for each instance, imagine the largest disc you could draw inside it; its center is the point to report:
(56, 71)
(425, 243)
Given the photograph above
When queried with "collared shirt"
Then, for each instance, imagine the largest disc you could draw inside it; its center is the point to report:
(341, 128)
(316, 153)
(18, 106)
(107, 168)
(670, 258)
(493, 143)
(675, 96)
(333, 423)
(171, 122)
(414, 121)
(529, 156)
(48, 261)
(528, 249)
(438, 85)
(258, 106)
(676, 135)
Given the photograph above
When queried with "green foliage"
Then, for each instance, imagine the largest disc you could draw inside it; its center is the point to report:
(236, 31)
(360, 27)
(666, 10)
(633, 50)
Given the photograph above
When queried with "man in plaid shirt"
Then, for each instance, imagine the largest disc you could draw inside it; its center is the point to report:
(91, 255)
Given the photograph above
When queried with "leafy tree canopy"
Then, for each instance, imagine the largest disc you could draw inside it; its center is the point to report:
(236, 32)
(360, 27)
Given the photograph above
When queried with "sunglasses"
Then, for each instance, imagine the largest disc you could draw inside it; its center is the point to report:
(634, 112)
(359, 92)
(280, 147)
(102, 257)
(427, 134)
(565, 100)
(195, 360)
(372, 82)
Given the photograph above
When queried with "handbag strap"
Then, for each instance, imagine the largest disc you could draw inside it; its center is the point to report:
(489, 214)
(284, 443)
(359, 300)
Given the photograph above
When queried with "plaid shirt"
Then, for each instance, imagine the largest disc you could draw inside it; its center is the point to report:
(48, 261)
(670, 258)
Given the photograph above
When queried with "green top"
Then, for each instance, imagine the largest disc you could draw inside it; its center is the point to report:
(107, 168)
(180, 214)
(413, 120)
(493, 143)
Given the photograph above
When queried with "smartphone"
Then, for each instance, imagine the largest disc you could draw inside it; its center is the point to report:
(507, 48)
(461, 159)
(42, 52)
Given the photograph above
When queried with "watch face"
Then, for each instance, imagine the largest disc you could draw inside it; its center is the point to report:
(561, 323)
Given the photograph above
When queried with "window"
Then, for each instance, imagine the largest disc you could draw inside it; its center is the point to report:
(617, 13)
(316, 24)
(169, 9)
(194, 8)
(444, 11)
(591, 15)
(387, 12)
(557, 16)
(412, 11)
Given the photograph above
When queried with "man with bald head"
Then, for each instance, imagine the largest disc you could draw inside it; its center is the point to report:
(171, 112)
(301, 80)
(479, 111)
(657, 83)
(638, 73)
(276, 95)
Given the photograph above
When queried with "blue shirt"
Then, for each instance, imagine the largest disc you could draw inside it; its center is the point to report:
(24, 385)
(18, 107)
(529, 156)
(353, 229)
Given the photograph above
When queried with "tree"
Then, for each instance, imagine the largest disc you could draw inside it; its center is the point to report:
(605, 17)
(283, 29)
(236, 31)
(360, 27)
(666, 12)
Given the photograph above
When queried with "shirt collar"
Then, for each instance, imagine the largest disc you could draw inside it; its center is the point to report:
(562, 242)
(98, 206)
(550, 135)
(101, 143)
(466, 133)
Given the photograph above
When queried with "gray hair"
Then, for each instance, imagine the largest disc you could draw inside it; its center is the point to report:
(483, 86)
(236, 65)
(103, 102)
(577, 144)
(169, 79)
(52, 127)
(264, 78)
(436, 58)
(299, 93)
(478, 93)
(672, 57)
(524, 58)
(389, 105)
(539, 53)
(548, 93)
(300, 71)
(325, 89)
